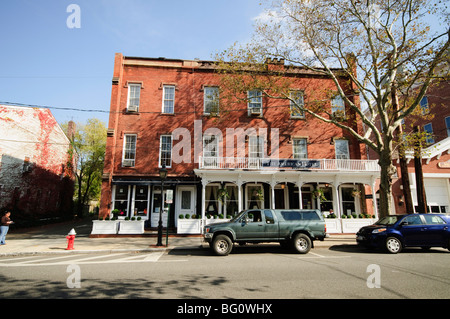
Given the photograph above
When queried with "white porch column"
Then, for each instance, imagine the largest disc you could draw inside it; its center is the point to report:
(272, 194)
(374, 199)
(300, 199)
(204, 183)
(336, 200)
(239, 185)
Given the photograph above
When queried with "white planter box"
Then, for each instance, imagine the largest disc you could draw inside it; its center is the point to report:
(333, 225)
(105, 227)
(131, 227)
(352, 225)
(189, 226)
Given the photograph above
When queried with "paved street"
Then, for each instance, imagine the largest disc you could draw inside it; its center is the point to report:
(259, 272)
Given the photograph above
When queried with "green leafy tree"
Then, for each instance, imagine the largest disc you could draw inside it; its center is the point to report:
(89, 144)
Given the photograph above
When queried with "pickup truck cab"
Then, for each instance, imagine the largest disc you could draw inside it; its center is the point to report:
(297, 227)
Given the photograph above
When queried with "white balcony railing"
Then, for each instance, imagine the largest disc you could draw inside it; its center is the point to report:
(296, 164)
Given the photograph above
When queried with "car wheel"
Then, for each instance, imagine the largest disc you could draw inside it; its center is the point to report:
(302, 243)
(393, 245)
(222, 245)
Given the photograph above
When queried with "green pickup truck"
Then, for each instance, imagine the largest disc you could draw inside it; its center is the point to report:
(296, 227)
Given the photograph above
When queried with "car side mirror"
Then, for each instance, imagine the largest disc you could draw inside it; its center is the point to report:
(403, 223)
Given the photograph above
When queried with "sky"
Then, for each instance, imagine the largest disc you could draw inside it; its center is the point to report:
(59, 56)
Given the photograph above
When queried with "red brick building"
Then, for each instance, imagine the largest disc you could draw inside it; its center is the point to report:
(435, 108)
(260, 154)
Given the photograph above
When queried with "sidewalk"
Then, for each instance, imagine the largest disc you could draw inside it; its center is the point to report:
(51, 239)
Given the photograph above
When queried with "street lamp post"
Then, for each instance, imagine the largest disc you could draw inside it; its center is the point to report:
(162, 175)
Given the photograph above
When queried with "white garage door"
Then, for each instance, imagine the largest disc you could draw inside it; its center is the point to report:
(437, 195)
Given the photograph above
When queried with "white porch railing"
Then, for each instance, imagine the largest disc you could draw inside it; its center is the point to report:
(304, 164)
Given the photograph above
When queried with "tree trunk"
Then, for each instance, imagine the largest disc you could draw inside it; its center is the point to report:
(387, 170)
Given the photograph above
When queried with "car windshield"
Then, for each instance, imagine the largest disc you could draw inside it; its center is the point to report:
(235, 218)
(388, 220)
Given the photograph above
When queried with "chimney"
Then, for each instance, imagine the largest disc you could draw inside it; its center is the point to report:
(274, 64)
(71, 126)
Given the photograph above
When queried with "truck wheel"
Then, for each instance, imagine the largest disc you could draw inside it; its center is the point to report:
(302, 243)
(222, 245)
(393, 245)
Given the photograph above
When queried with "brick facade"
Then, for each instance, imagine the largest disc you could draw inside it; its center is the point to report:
(131, 179)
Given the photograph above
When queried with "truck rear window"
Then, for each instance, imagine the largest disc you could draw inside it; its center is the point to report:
(296, 215)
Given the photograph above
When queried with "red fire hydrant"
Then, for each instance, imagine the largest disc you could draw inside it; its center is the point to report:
(70, 239)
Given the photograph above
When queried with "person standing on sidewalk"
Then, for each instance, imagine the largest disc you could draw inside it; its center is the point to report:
(5, 222)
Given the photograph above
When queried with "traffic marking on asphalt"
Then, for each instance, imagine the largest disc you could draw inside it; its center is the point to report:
(72, 259)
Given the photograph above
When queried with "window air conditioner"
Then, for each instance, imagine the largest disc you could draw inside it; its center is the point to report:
(128, 163)
(255, 111)
(132, 108)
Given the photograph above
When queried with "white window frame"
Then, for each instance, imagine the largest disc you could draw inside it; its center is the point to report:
(132, 86)
(299, 143)
(210, 146)
(168, 165)
(254, 101)
(171, 108)
(341, 155)
(210, 100)
(256, 147)
(129, 148)
(298, 97)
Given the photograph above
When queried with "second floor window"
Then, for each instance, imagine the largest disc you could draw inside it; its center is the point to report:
(341, 149)
(300, 148)
(210, 146)
(134, 96)
(428, 128)
(129, 151)
(254, 102)
(165, 151)
(168, 99)
(211, 100)
(255, 147)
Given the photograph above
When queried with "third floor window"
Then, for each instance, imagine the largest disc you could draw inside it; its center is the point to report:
(168, 99)
(134, 96)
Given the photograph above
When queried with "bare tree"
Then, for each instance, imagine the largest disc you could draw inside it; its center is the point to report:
(386, 48)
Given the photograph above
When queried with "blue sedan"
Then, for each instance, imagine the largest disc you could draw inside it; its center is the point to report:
(395, 232)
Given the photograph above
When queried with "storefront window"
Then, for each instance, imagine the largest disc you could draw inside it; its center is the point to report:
(212, 203)
(327, 201)
(141, 200)
(231, 202)
(348, 201)
(255, 197)
(121, 199)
